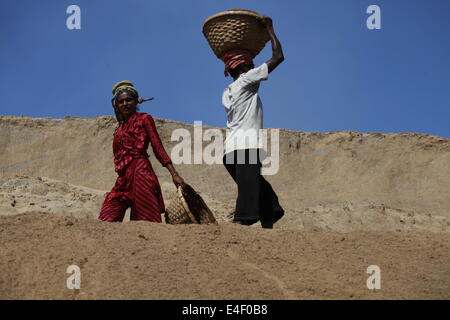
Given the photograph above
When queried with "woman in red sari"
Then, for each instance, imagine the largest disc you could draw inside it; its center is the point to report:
(137, 185)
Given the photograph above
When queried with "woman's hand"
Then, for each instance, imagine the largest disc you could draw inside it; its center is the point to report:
(178, 181)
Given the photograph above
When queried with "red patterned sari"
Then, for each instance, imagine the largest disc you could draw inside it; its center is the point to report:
(137, 185)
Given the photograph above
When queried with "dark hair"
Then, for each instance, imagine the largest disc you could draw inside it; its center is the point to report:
(238, 70)
(234, 73)
(131, 92)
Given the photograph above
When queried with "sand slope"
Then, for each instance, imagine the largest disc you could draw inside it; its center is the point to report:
(139, 260)
(351, 200)
(335, 181)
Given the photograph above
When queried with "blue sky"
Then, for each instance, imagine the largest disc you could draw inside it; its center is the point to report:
(338, 74)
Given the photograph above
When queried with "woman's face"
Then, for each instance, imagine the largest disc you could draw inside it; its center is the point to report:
(126, 104)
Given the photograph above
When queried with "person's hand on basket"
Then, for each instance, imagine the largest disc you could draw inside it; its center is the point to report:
(277, 51)
(267, 22)
(178, 181)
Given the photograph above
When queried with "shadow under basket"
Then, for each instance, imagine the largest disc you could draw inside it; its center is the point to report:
(188, 207)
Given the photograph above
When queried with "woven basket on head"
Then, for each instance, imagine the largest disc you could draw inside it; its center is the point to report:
(188, 207)
(235, 29)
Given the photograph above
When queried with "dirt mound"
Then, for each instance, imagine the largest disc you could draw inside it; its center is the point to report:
(142, 260)
(345, 217)
(24, 194)
(407, 174)
(352, 200)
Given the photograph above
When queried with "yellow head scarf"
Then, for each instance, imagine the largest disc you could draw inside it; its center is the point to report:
(124, 84)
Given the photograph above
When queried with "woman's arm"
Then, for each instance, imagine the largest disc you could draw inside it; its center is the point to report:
(177, 180)
(159, 151)
(155, 140)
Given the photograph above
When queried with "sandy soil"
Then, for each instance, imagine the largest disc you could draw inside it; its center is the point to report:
(351, 199)
(142, 260)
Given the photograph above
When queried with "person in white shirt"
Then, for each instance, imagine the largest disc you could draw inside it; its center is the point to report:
(256, 199)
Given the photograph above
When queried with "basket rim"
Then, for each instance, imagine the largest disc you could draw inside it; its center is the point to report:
(233, 12)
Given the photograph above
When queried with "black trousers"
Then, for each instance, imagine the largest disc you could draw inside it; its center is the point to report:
(256, 198)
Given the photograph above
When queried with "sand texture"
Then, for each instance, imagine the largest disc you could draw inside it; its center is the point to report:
(351, 199)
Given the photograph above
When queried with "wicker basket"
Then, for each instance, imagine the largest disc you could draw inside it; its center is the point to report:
(188, 207)
(235, 29)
